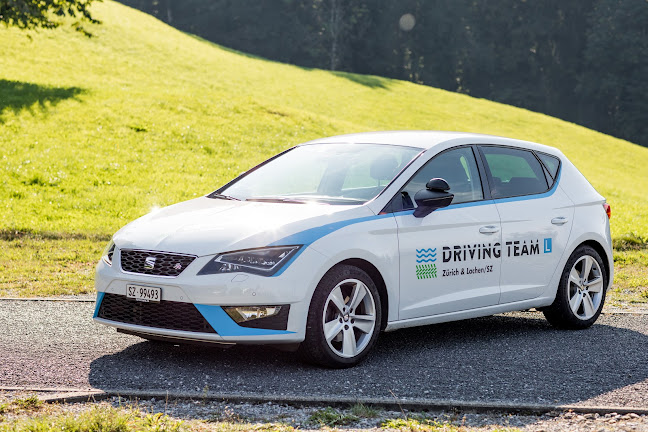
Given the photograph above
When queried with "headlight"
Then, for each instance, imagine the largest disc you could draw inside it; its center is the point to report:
(263, 261)
(107, 255)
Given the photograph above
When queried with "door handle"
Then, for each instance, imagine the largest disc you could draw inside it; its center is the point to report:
(560, 220)
(489, 229)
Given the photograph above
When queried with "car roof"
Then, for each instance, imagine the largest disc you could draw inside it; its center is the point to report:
(427, 139)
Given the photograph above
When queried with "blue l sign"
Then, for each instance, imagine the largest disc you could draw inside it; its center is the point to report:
(547, 245)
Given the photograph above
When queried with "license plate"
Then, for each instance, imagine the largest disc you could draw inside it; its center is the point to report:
(144, 293)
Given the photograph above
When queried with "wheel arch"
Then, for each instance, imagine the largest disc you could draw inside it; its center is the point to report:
(377, 278)
(598, 247)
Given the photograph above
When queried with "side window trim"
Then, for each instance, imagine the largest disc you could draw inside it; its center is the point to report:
(491, 183)
(554, 178)
(489, 179)
(481, 168)
(391, 206)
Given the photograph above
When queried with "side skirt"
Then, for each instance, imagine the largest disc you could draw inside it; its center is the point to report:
(471, 313)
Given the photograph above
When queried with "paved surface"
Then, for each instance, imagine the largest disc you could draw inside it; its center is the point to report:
(511, 358)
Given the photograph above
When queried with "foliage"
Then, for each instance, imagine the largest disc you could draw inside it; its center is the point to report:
(97, 419)
(30, 14)
(417, 425)
(363, 411)
(630, 278)
(26, 404)
(45, 264)
(565, 59)
(428, 425)
(152, 116)
(331, 417)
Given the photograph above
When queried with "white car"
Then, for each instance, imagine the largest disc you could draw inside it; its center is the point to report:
(329, 243)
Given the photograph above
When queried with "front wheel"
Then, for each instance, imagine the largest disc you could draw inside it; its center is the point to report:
(581, 291)
(344, 318)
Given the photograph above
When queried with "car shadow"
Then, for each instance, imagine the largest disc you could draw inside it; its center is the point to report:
(503, 358)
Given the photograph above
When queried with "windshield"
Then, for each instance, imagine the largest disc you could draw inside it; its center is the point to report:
(327, 173)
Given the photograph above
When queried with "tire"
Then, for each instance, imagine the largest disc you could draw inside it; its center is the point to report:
(581, 291)
(351, 323)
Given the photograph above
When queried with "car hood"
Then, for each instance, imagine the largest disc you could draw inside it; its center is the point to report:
(206, 226)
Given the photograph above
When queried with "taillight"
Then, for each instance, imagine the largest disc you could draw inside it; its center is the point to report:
(608, 210)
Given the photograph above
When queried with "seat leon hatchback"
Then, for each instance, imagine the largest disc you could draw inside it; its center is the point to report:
(325, 245)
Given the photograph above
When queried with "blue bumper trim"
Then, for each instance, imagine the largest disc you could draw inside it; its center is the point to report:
(226, 326)
(100, 296)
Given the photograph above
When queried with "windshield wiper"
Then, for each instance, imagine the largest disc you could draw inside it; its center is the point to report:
(277, 200)
(221, 196)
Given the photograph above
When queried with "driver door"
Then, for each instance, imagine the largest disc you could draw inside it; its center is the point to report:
(450, 259)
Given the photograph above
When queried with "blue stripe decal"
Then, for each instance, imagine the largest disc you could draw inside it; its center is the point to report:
(464, 205)
(290, 261)
(311, 235)
(226, 326)
(529, 197)
(100, 296)
(505, 200)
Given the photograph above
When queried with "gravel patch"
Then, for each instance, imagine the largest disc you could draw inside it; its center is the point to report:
(510, 358)
(302, 418)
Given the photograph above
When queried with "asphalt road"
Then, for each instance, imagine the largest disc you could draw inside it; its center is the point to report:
(511, 358)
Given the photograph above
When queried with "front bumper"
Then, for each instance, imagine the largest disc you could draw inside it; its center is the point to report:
(205, 296)
(181, 320)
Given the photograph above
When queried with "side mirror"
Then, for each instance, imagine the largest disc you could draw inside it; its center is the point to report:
(434, 196)
(438, 184)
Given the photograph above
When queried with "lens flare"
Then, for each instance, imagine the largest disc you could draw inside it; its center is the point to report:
(407, 22)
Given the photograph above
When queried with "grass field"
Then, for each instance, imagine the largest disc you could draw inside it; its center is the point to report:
(97, 131)
(29, 414)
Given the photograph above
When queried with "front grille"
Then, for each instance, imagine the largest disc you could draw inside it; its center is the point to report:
(154, 263)
(165, 314)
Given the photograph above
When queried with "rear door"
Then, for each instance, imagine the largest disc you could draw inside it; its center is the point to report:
(536, 217)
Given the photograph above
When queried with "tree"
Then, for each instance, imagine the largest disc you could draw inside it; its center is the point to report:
(614, 84)
(29, 14)
(584, 61)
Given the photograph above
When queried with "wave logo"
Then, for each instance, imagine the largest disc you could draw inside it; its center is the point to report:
(426, 255)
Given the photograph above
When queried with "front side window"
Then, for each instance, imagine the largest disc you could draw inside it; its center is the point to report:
(324, 173)
(457, 167)
(514, 172)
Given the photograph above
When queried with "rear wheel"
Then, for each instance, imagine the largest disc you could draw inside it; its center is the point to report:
(581, 292)
(343, 320)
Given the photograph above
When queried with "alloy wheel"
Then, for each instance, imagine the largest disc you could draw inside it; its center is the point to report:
(585, 287)
(349, 318)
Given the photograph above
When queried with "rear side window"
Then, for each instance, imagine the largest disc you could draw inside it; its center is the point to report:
(551, 163)
(514, 172)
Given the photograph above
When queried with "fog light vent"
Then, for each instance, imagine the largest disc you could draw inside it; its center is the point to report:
(263, 317)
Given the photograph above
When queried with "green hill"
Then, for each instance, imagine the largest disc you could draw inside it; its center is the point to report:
(97, 131)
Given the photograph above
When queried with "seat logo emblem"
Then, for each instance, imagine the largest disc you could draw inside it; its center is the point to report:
(149, 263)
(178, 266)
